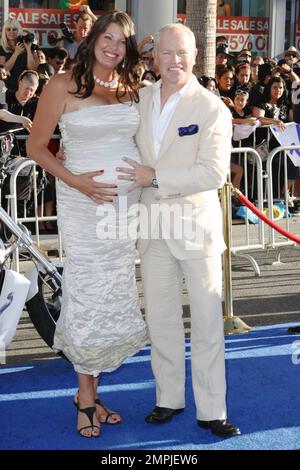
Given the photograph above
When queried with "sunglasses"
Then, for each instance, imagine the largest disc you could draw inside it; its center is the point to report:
(241, 92)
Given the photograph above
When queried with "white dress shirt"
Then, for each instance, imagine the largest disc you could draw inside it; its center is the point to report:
(161, 119)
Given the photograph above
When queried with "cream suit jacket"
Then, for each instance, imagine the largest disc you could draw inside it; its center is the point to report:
(189, 171)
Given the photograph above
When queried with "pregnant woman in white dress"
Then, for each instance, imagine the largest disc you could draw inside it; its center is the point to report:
(100, 322)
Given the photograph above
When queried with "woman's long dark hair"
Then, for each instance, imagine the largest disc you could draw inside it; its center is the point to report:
(267, 91)
(82, 72)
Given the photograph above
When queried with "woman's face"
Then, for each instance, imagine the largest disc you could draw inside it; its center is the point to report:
(225, 81)
(110, 47)
(240, 101)
(150, 78)
(276, 91)
(11, 33)
(211, 86)
(41, 56)
(243, 76)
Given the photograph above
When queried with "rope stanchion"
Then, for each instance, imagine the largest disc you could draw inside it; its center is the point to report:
(237, 193)
(232, 323)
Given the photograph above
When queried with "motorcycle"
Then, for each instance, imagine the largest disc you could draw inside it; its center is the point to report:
(39, 289)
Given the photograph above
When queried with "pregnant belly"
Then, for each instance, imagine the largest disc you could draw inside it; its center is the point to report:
(110, 175)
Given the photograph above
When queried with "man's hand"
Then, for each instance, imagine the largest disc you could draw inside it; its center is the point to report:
(252, 121)
(20, 47)
(61, 156)
(26, 123)
(86, 9)
(140, 175)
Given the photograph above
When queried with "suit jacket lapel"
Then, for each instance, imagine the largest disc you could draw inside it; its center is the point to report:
(180, 116)
(146, 116)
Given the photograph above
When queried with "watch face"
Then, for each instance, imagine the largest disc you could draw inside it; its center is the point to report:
(154, 182)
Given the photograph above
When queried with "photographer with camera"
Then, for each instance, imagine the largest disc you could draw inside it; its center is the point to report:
(71, 42)
(17, 52)
(83, 25)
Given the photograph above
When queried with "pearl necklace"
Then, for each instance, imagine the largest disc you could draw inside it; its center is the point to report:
(112, 84)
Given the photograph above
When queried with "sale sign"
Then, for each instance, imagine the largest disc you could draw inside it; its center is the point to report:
(42, 22)
(243, 32)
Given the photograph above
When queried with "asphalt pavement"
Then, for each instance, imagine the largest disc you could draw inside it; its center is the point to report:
(271, 298)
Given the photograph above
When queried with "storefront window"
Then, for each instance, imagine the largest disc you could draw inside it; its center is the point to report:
(251, 8)
(28, 4)
(295, 27)
(181, 5)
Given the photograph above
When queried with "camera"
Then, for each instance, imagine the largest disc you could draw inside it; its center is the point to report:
(54, 38)
(28, 38)
(68, 35)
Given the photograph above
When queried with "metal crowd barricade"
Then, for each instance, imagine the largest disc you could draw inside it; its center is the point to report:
(247, 245)
(274, 153)
(13, 204)
(253, 135)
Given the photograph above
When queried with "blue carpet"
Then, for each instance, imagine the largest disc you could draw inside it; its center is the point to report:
(36, 410)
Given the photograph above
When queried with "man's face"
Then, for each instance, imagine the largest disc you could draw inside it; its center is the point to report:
(221, 59)
(243, 76)
(57, 63)
(291, 58)
(175, 56)
(27, 89)
(3, 74)
(83, 28)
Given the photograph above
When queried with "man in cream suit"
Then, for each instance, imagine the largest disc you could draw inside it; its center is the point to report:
(185, 141)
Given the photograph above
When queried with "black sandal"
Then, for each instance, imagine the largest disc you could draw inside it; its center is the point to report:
(109, 413)
(89, 412)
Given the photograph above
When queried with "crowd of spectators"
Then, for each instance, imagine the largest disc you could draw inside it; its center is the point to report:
(258, 90)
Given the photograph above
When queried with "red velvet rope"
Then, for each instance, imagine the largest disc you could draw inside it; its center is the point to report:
(263, 217)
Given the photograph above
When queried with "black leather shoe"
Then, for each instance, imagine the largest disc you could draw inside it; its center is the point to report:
(162, 415)
(220, 427)
(294, 330)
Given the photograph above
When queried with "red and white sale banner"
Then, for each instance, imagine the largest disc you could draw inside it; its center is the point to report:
(42, 22)
(243, 32)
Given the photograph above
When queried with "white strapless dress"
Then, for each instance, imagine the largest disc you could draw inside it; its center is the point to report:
(100, 323)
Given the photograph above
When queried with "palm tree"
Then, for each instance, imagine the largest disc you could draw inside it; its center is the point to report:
(201, 18)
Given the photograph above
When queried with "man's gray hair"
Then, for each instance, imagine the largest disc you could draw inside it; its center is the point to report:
(174, 27)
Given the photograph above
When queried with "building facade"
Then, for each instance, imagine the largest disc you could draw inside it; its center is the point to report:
(268, 28)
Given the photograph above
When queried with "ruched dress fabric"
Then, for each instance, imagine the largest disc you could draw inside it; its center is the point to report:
(100, 323)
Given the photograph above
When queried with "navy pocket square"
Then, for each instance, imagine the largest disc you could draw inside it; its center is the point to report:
(189, 130)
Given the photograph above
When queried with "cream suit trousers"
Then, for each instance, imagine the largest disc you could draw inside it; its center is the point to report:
(162, 277)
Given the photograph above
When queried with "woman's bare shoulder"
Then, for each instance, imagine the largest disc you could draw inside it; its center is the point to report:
(62, 83)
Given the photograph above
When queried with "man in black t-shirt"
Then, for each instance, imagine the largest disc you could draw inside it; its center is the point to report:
(257, 91)
(23, 103)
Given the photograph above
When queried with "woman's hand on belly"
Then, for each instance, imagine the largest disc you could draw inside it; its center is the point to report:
(100, 193)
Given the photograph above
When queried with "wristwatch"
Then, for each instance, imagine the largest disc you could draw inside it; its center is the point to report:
(154, 183)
